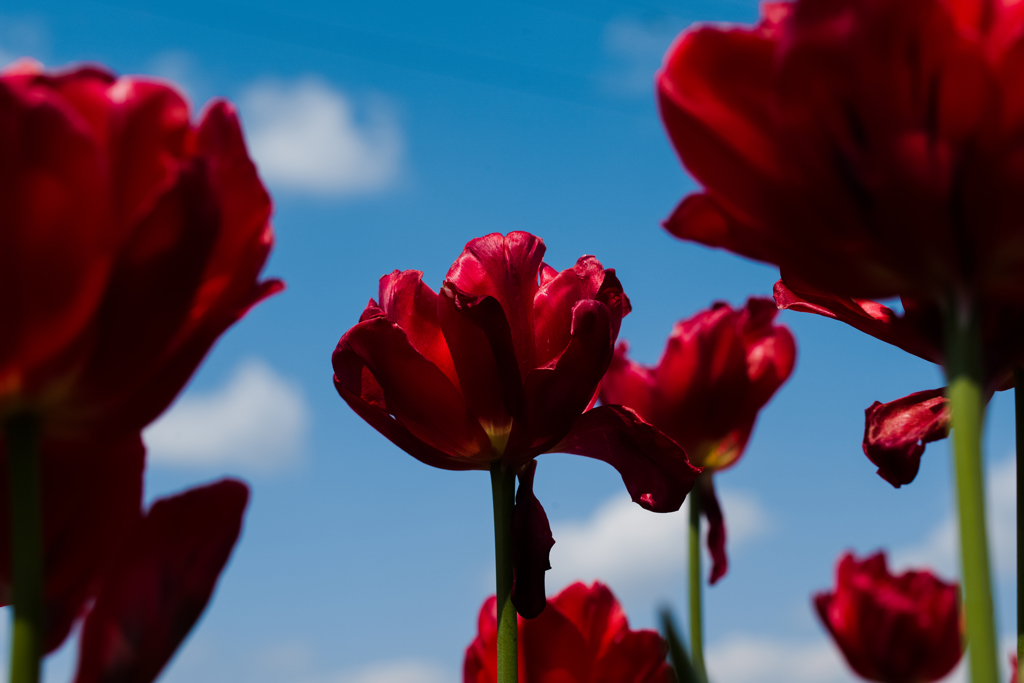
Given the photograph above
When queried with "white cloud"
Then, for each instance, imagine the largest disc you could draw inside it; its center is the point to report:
(939, 549)
(181, 68)
(636, 49)
(626, 546)
(306, 136)
(408, 671)
(759, 659)
(258, 420)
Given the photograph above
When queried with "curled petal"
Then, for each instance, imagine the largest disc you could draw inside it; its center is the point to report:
(653, 467)
(701, 219)
(895, 433)
(406, 397)
(531, 547)
(712, 510)
(554, 303)
(160, 584)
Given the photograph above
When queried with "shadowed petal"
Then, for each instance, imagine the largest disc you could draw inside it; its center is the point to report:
(554, 303)
(628, 383)
(712, 510)
(160, 584)
(895, 433)
(654, 468)
(531, 547)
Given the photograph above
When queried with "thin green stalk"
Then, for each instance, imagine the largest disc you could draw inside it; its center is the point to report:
(966, 395)
(22, 434)
(696, 616)
(503, 489)
(1018, 395)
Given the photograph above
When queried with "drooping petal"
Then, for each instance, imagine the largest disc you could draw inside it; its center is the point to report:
(653, 467)
(895, 433)
(407, 398)
(712, 510)
(531, 546)
(505, 267)
(159, 584)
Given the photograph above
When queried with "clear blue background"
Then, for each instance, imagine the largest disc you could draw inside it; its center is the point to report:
(515, 116)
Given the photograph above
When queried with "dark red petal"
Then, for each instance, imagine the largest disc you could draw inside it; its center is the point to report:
(654, 468)
(867, 316)
(531, 547)
(508, 269)
(552, 647)
(554, 303)
(160, 584)
(895, 433)
(412, 305)
(628, 383)
(481, 663)
(484, 354)
(636, 657)
(92, 494)
(712, 510)
(382, 376)
(595, 612)
(700, 219)
(557, 394)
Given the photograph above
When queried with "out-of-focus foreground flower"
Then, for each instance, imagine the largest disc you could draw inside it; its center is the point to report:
(892, 629)
(719, 368)
(503, 365)
(582, 637)
(131, 240)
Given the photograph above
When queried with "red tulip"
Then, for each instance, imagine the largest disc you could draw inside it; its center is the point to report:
(583, 637)
(895, 433)
(505, 365)
(870, 148)
(719, 368)
(132, 239)
(893, 629)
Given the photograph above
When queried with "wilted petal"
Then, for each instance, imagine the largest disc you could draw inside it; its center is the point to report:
(654, 468)
(160, 583)
(531, 547)
(895, 433)
(712, 511)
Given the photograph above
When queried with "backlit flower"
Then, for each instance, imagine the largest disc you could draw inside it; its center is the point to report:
(719, 368)
(892, 629)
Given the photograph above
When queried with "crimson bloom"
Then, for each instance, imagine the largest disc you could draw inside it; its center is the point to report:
(719, 368)
(868, 148)
(132, 239)
(583, 637)
(503, 365)
(892, 629)
(147, 574)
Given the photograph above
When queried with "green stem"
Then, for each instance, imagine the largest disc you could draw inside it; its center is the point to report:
(22, 434)
(696, 616)
(966, 395)
(503, 489)
(1018, 395)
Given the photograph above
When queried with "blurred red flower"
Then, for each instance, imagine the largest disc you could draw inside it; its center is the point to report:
(719, 368)
(504, 364)
(869, 148)
(583, 637)
(895, 433)
(146, 574)
(892, 629)
(1013, 667)
(132, 239)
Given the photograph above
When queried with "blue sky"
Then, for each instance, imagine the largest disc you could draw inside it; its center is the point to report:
(390, 133)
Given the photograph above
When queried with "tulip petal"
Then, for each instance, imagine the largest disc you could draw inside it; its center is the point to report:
(531, 547)
(554, 303)
(712, 510)
(638, 657)
(506, 267)
(558, 393)
(407, 398)
(895, 433)
(628, 383)
(653, 467)
(160, 583)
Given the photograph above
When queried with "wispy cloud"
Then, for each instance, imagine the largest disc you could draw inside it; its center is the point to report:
(402, 671)
(760, 659)
(628, 547)
(256, 421)
(309, 137)
(635, 49)
(939, 548)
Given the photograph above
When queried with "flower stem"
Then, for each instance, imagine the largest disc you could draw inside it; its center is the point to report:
(696, 616)
(964, 375)
(503, 489)
(22, 434)
(1018, 396)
